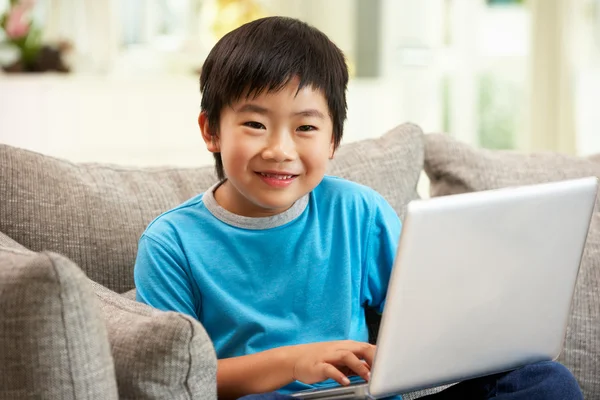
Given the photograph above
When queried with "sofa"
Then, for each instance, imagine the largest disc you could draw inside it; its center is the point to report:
(70, 327)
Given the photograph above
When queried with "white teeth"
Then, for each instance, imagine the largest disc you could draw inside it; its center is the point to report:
(275, 176)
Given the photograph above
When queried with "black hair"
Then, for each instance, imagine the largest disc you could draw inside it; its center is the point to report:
(266, 54)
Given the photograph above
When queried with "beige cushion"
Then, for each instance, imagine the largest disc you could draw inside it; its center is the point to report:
(53, 342)
(157, 355)
(454, 167)
(94, 214)
(130, 294)
(390, 164)
(8, 243)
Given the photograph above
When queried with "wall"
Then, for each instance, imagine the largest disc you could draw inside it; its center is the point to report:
(142, 121)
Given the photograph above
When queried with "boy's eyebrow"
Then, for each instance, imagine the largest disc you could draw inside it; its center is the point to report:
(311, 113)
(253, 108)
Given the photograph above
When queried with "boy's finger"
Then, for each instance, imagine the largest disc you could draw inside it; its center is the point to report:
(331, 372)
(367, 353)
(358, 366)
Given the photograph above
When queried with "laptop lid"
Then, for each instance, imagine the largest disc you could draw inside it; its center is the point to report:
(482, 283)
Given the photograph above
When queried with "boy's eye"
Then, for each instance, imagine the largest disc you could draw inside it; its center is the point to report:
(306, 128)
(254, 125)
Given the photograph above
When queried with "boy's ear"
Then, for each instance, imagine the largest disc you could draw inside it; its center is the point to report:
(210, 138)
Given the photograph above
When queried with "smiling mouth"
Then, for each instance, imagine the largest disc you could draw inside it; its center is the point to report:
(281, 177)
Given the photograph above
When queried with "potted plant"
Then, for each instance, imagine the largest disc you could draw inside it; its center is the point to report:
(21, 32)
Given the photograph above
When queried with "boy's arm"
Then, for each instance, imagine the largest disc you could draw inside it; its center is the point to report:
(270, 370)
(261, 372)
(161, 280)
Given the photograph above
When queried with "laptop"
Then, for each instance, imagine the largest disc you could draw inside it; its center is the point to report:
(482, 283)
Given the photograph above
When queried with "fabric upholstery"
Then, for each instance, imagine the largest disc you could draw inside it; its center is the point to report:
(157, 355)
(53, 342)
(390, 164)
(8, 243)
(91, 213)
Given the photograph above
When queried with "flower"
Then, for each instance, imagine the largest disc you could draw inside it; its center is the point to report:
(17, 25)
(21, 32)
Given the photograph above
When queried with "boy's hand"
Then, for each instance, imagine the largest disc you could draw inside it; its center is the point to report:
(333, 360)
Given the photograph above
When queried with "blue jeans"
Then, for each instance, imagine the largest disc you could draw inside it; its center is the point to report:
(541, 381)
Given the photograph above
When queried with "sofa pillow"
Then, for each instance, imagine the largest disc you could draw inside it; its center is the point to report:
(157, 354)
(390, 164)
(53, 342)
(91, 213)
(94, 214)
(8, 243)
(453, 167)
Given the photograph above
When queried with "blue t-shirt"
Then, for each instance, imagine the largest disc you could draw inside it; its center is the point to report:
(302, 276)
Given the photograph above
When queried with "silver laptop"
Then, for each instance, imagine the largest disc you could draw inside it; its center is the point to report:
(482, 283)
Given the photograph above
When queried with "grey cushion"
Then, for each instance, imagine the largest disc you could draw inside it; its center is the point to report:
(454, 167)
(390, 164)
(130, 294)
(157, 355)
(8, 243)
(53, 342)
(94, 214)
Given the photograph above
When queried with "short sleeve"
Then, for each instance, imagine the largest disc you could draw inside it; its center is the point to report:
(382, 244)
(161, 279)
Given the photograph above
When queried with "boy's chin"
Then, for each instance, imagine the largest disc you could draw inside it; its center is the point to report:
(276, 203)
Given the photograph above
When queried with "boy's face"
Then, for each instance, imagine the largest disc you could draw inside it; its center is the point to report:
(275, 149)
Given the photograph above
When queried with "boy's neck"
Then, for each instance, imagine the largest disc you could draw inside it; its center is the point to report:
(220, 211)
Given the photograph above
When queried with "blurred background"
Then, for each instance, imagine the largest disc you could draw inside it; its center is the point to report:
(117, 80)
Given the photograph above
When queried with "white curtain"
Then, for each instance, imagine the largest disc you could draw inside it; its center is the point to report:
(555, 52)
(91, 26)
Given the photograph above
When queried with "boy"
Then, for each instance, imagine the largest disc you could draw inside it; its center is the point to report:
(277, 260)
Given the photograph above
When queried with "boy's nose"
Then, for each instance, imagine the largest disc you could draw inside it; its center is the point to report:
(279, 149)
